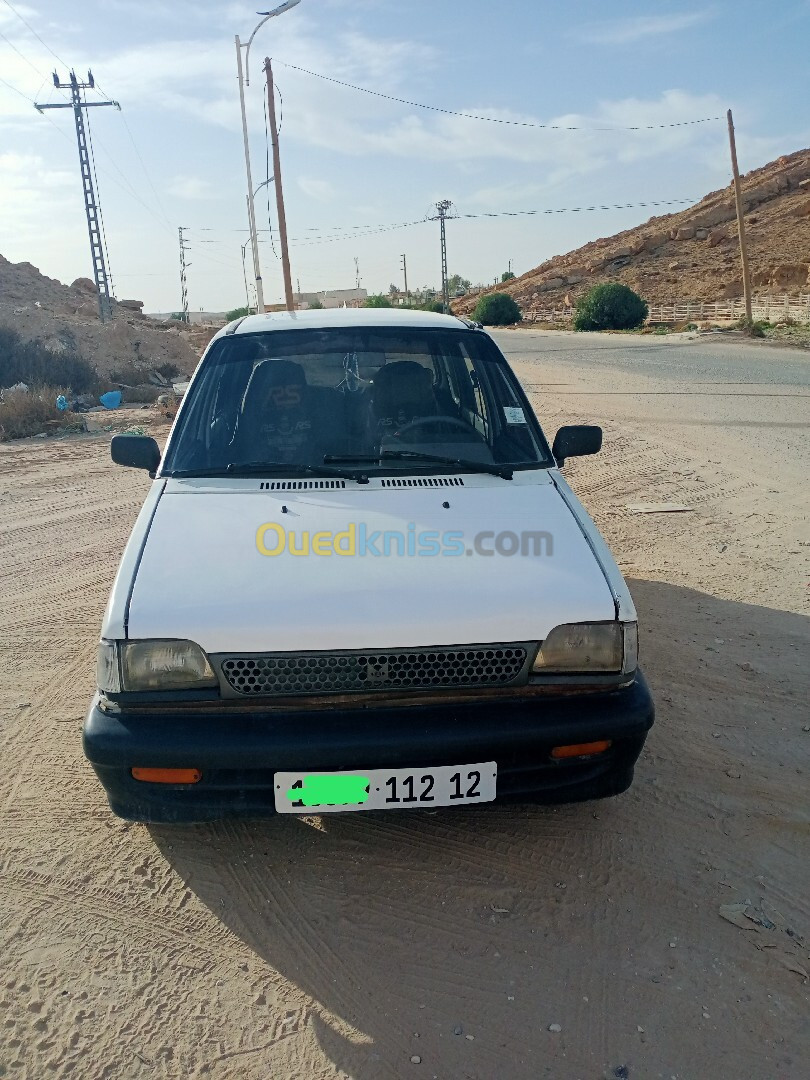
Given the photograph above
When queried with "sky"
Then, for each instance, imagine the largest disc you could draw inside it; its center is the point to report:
(355, 164)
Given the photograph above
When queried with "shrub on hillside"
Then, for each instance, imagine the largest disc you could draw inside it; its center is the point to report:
(31, 363)
(497, 309)
(610, 307)
(377, 301)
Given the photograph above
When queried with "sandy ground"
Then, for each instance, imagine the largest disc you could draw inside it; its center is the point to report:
(350, 947)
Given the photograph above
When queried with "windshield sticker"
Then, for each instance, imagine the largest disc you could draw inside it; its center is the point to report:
(514, 416)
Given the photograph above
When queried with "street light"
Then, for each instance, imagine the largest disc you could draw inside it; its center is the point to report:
(244, 273)
(244, 79)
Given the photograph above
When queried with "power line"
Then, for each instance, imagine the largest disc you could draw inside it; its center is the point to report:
(22, 56)
(580, 209)
(11, 7)
(145, 172)
(25, 97)
(493, 119)
(354, 232)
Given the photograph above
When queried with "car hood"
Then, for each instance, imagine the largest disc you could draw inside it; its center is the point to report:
(202, 577)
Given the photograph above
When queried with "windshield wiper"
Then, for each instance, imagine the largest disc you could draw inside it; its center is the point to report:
(504, 471)
(262, 468)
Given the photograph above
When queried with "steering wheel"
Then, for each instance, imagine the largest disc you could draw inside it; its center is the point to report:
(433, 421)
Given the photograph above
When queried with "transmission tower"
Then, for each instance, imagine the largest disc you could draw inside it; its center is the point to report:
(91, 206)
(443, 210)
(183, 267)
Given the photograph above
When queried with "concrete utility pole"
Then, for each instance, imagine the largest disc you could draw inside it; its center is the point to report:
(740, 220)
(91, 206)
(443, 209)
(244, 80)
(254, 239)
(405, 272)
(282, 217)
(183, 267)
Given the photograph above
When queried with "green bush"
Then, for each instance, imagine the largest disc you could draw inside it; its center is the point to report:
(31, 363)
(508, 276)
(316, 305)
(239, 313)
(610, 307)
(377, 301)
(497, 309)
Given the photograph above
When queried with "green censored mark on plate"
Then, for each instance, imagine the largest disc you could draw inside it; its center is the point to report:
(331, 791)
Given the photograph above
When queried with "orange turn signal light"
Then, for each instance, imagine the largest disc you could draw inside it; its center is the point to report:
(168, 776)
(581, 749)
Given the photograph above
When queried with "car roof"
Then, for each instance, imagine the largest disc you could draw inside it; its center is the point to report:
(339, 318)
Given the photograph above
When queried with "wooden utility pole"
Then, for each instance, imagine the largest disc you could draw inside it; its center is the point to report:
(740, 220)
(282, 217)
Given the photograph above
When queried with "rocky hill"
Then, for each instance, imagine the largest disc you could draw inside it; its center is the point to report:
(65, 318)
(694, 254)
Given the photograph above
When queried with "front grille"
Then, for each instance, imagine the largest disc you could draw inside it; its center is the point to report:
(286, 674)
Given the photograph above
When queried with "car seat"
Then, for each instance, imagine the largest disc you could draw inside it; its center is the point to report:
(401, 393)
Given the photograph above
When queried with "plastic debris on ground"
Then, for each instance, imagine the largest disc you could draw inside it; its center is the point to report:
(111, 400)
(658, 508)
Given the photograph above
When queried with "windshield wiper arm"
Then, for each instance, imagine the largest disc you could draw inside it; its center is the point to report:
(504, 471)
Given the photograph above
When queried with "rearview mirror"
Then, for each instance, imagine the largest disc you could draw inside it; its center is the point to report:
(577, 441)
(135, 451)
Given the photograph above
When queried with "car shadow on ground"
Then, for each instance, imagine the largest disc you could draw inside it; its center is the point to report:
(462, 937)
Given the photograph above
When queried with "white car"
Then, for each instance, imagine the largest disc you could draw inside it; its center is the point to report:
(360, 581)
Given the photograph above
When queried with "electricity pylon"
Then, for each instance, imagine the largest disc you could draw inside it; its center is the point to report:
(443, 209)
(91, 205)
(183, 267)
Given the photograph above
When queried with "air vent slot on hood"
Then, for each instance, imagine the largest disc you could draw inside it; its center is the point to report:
(302, 485)
(423, 481)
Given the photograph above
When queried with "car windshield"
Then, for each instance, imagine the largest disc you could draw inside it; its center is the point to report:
(383, 399)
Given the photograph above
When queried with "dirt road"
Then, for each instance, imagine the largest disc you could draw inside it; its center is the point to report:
(351, 947)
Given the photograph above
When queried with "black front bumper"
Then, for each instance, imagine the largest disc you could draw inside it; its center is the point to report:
(238, 752)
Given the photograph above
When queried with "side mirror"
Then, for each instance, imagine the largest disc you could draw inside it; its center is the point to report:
(577, 441)
(136, 451)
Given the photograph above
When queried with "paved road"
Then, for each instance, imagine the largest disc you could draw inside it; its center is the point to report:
(709, 359)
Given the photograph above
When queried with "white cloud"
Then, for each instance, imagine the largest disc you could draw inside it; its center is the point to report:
(190, 187)
(320, 190)
(636, 27)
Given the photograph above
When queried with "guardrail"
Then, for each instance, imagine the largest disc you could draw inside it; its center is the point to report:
(769, 308)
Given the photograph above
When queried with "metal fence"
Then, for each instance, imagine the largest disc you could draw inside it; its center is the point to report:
(770, 308)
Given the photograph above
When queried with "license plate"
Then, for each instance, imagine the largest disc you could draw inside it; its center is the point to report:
(384, 789)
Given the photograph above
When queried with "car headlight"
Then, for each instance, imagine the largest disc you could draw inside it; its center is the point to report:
(581, 648)
(153, 665)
